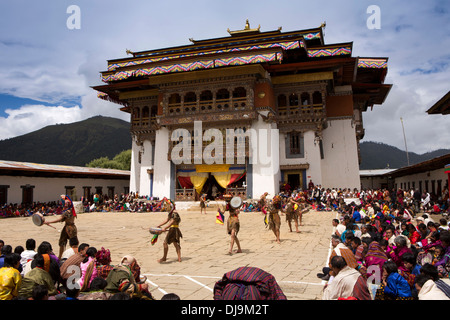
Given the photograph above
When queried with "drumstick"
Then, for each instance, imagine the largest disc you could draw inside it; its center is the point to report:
(50, 226)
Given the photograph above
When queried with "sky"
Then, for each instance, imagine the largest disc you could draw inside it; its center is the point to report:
(51, 56)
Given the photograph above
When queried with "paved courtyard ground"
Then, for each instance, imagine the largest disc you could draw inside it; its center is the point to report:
(294, 263)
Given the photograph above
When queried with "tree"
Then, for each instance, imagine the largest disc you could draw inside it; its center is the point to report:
(121, 161)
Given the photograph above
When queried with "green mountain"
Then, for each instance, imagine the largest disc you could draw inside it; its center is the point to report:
(81, 142)
(73, 144)
(375, 155)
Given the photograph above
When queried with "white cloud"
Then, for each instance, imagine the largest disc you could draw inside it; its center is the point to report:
(30, 118)
(41, 59)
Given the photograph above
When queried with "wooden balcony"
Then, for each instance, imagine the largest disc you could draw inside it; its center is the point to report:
(184, 194)
(147, 123)
(238, 192)
(206, 106)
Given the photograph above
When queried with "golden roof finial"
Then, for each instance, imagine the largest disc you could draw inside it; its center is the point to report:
(129, 52)
(247, 25)
(245, 30)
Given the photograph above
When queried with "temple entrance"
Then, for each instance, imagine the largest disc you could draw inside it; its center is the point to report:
(294, 181)
(212, 180)
(212, 188)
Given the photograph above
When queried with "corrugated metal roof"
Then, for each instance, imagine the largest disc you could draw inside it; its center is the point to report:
(30, 166)
(375, 172)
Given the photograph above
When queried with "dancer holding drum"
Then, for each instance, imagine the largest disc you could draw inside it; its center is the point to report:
(232, 206)
(173, 235)
(69, 230)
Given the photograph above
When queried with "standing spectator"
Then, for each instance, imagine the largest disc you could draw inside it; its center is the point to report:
(417, 198)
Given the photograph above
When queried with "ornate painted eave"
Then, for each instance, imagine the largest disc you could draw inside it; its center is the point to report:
(243, 46)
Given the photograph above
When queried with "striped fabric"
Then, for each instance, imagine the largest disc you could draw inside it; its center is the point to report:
(248, 283)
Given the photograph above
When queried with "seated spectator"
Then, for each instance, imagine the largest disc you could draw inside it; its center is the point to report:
(88, 269)
(45, 248)
(29, 253)
(39, 275)
(6, 249)
(396, 252)
(10, 278)
(339, 249)
(443, 224)
(393, 285)
(40, 292)
(432, 271)
(96, 291)
(348, 282)
(73, 243)
(428, 290)
(104, 266)
(375, 259)
(74, 261)
(443, 265)
(248, 283)
(122, 279)
(413, 235)
(170, 296)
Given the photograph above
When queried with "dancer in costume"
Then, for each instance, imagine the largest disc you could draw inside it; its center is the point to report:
(303, 207)
(203, 203)
(263, 200)
(274, 222)
(233, 225)
(69, 230)
(292, 214)
(174, 234)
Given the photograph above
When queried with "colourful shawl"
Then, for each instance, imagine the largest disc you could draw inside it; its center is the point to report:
(248, 283)
(375, 256)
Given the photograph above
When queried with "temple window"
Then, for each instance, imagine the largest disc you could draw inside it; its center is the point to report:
(239, 92)
(174, 103)
(222, 99)
(206, 99)
(239, 98)
(293, 100)
(223, 94)
(145, 112)
(136, 114)
(174, 99)
(317, 97)
(153, 111)
(282, 105)
(305, 99)
(294, 145)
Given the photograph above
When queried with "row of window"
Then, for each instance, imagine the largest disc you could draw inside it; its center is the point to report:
(226, 99)
(303, 99)
(432, 186)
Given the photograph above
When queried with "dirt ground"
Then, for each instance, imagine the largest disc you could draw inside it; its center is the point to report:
(294, 262)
